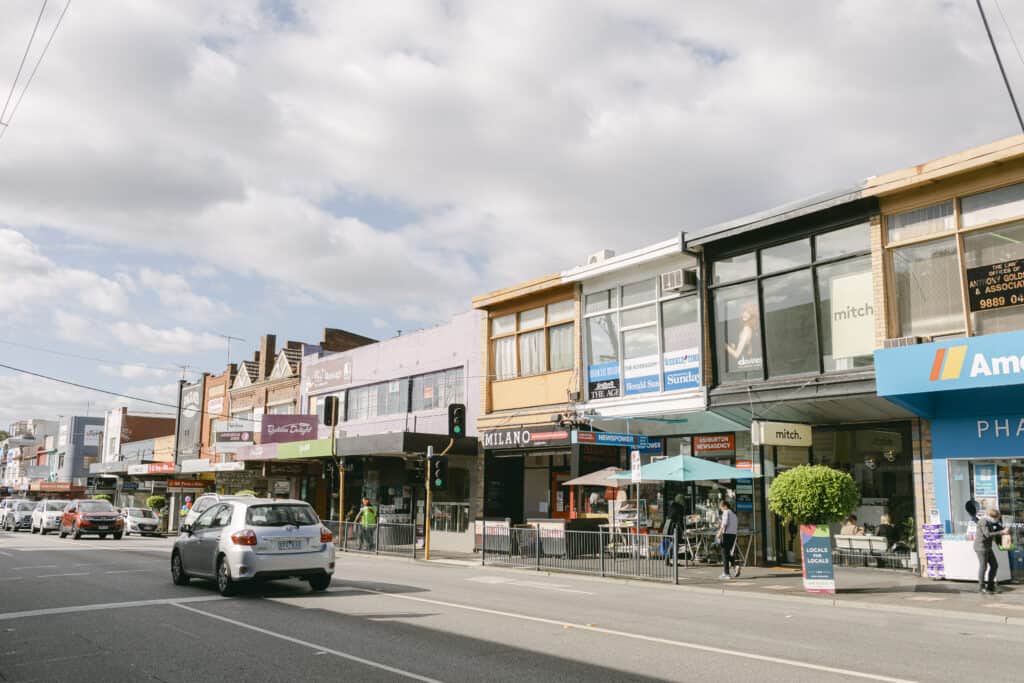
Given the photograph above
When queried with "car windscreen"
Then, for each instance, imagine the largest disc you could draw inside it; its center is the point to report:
(135, 512)
(56, 505)
(280, 515)
(95, 506)
(25, 507)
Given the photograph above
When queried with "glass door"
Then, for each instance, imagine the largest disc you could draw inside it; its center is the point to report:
(782, 540)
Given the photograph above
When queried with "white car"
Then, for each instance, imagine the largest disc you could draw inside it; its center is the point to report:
(140, 521)
(46, 515)
(204, 503)
(254, 539)
(17, 515)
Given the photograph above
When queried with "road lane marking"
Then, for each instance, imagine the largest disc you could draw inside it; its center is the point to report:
(50, 576)
(5, 554)
(126, 571)
(6, 616)
(36, 566)
(318, 649)
(650, 639)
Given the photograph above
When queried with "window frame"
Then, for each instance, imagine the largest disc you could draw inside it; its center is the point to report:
(615, 309)
(545, 333)
(958, 233)
(757, 280)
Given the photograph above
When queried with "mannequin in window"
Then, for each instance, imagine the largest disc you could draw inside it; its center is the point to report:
(743, 349)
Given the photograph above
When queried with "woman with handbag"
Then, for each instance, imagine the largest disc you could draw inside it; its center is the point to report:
(990, 529)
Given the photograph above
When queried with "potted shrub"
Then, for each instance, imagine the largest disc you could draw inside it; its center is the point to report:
(813, 494)
(156, 504)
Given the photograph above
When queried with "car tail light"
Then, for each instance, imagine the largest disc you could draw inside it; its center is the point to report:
(244, 537)
(325, 535)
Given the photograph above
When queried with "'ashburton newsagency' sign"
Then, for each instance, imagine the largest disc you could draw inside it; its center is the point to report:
(996, 286)
(525, 438)
(780, 434)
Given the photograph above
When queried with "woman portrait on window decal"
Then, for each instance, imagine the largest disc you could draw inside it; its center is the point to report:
(743, 350)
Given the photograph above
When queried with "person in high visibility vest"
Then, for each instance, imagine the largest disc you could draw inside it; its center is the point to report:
(368, 518)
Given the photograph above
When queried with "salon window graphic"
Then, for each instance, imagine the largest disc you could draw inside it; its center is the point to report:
(743, 336)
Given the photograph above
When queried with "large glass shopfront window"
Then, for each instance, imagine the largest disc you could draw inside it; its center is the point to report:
(995, 483)
(959, 272)
(640, 340)
(799, 307)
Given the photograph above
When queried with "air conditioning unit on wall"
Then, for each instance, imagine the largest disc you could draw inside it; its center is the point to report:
(678, 280)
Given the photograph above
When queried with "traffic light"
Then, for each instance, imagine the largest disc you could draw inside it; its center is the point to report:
(330, 417)
(438, 473)
(456, 420)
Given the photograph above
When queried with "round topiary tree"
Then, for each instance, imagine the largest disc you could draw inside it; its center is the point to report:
(245, 492)
(156, 503)
(103, 496)
(813, 494)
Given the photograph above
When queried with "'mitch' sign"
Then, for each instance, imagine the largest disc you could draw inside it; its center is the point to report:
(780, 434)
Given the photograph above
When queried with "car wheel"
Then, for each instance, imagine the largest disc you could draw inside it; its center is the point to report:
(76, 533)
(178, 575)
(225, 584)
(43, 532)
(102, 536)
(320, 582)
(117, 537)
(63, 533)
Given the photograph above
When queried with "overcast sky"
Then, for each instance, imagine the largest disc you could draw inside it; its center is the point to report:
(180, 170)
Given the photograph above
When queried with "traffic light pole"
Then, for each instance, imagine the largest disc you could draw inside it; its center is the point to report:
(426, 516)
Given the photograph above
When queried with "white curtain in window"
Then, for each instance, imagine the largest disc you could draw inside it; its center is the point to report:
(560, 344)
(505, 358)
(531, 353)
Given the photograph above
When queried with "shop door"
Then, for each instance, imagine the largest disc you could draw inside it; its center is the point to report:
(537, 493)
(783, 540)
(559, 495)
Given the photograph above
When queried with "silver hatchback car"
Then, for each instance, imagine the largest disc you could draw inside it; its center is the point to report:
(253, 539)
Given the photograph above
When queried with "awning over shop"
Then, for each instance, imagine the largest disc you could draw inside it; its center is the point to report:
(680, 424)
(402, 443)
(955, 378)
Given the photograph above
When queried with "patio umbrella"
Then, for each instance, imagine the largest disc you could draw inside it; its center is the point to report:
(605, 477)
(688, 468)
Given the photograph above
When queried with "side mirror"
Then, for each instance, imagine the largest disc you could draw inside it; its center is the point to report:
(186, 529)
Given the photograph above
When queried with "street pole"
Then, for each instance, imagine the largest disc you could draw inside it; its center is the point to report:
(426, 516)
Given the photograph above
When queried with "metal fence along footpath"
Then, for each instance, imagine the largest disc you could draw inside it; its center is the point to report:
(601, 553)
(377, 539)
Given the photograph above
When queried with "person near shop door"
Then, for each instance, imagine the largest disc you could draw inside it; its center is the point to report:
(367, 518)
(990, 528)
(726, 536)
(674, 523)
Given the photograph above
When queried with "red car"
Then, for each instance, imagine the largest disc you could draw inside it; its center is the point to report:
(96, 517)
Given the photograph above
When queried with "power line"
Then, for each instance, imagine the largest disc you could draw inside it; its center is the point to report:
(17, 76)
(999, 62)
(169, 368)
(1010, 31)
(34, 69)
(88, 388)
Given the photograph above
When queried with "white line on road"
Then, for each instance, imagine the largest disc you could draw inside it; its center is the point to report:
(651, 639)
(5, 554)
(126, 571)
(4, 616)
(318, 648)
(50, 576)
(36, 566)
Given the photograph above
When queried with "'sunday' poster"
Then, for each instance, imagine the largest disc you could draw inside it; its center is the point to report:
(816, 543)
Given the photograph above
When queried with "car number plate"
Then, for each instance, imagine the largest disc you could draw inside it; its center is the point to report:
(102, 526)
(295, 544)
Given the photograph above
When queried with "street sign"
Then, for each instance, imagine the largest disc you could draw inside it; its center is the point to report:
(634, 467)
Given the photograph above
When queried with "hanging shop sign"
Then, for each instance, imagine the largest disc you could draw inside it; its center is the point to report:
(603, 380)
(186, 484)
(257, 452)
(641, 442)
(853, 315)
(91, 435)
(327, 374)
(525, 438)
(819, 575)
(232, 434)
(190, 424)
(714, 443)
(287, 428)
(995, 286)
(780, 434)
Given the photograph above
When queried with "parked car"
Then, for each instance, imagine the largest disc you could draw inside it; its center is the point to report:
(254, 539)
(141, 521)
(18, 515)
(96, 517)
(46, 515)
(203, 503)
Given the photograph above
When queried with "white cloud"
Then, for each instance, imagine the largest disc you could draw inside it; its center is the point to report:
(133, 372)
(146, 339)
(176, 295)
(380, 324)
(525, 135)
(76, 329)
(32, 281)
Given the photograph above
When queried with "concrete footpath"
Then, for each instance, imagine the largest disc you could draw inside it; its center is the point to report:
(876, 589)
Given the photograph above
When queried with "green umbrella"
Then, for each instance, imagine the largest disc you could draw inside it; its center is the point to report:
(688, 468)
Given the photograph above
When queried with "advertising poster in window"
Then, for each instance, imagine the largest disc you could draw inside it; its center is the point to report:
(986, 490)
(603, 380)
(682, 369)
(641, 375)
(853, 316)
(742, 335)
(681, 337)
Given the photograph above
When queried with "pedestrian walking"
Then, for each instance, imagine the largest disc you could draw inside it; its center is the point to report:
(367, 517)
(674, 523)
(726, 536)
(990, 527)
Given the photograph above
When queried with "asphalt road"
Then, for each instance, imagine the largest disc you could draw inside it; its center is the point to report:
(94, 610)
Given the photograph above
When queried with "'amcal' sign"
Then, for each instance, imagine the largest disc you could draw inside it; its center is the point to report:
(525, 438)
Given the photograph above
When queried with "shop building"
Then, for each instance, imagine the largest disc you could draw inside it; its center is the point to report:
(950, 250)
(21, 451)
(531, 388)
(121, 426)
(394, 397)
(792, 297)
(77, 446)
(216, 406)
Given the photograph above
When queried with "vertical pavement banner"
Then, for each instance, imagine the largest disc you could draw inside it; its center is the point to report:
(816, 543)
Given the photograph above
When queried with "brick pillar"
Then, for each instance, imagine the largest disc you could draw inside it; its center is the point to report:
(924, 480)
(878, 278)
